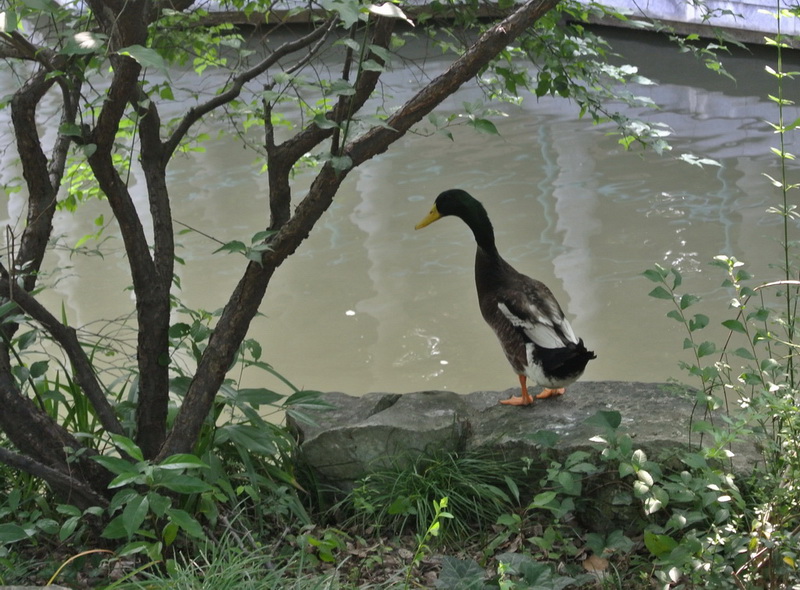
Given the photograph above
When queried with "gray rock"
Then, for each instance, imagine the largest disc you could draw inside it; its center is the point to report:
(366, 433)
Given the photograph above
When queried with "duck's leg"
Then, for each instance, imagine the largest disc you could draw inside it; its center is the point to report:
(525, 398)
(550, 393)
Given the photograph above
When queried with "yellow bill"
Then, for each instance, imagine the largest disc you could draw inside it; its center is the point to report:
(430, 218)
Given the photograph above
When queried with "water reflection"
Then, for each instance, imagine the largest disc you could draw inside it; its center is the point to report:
(369, 304)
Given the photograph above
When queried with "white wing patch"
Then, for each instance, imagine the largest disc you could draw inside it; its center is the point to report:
(545, 331)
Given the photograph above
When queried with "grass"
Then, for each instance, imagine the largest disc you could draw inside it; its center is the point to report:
(478, 486)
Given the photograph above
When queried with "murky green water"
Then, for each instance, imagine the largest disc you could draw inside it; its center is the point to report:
(368, 304)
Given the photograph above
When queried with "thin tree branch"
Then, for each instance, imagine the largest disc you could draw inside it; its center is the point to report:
(69, 487)
(196, 113)
(465, 68)
(282, 157)
(68, 340)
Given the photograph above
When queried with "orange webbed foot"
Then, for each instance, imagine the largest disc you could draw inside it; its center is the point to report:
(525, 398)
(517, 401)
(550, 393)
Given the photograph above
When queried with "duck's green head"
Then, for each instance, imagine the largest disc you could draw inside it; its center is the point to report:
(459, 203)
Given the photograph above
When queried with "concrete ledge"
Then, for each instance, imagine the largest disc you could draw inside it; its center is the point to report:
(364, 434)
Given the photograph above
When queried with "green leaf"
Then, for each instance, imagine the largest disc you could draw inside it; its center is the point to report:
(124, 479)
(135, 548)
(543, 499)
(348, 10)
(232, 246)
(609, 419)
(695, 460)
(170, 533)
(134, 514)
(675, 315)
(655, 275)
(183, 461)
(512, 487)
(735, 326)
(254, 440)
(706, 348)
(698, 322)
(38, 369)
(70, 129)
(114, 529)
(688, 300)
(127, 446)
(258, 396)
(660, 293)
(68, 528)
(401, 505)
(11, 533)
(484, 126)
(48, 6)
(146, 57)
(677, 279)
(547, 439)
(659, 545)
(570, 483)
(370, 65)
(116, 465)
(158, 503)
(184, 520)
(179, 330)
(186, 484)
(321, 121)
(341, 88)
(9, 21)
(461, 574)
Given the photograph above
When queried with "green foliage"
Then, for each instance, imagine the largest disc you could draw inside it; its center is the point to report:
(232, 561)
(722, 535)
(477, 488)
(433, 530)
(143, 511)
(241, 460)
(515, 572)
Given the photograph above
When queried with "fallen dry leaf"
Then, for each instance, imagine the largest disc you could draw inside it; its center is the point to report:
(595, 564)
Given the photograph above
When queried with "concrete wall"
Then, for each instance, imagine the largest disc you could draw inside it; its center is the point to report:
(746, 20)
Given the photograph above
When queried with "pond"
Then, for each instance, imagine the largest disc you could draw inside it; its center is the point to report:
(370, 304)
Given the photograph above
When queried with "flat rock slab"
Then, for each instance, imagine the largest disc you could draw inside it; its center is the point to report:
(362, 434)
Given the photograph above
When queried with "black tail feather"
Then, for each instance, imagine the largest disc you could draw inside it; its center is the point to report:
(566, 362)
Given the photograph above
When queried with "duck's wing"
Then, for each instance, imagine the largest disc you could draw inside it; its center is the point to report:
(531, 308)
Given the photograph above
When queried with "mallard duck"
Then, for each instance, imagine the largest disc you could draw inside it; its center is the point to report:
(537, 339)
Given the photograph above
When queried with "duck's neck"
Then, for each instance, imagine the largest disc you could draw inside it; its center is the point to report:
(478, 222)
